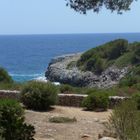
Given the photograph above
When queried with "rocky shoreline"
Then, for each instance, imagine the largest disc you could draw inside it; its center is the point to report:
(58, 71)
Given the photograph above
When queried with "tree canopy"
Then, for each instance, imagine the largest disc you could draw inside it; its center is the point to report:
(83, 6)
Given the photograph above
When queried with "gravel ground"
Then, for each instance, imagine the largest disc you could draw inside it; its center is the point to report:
(87, 127)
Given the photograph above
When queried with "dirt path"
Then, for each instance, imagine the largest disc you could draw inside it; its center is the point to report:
(89, 124)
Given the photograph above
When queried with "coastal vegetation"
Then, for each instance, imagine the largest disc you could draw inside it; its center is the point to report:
(6, 81)
(119, 53)
(125, 121)
(39, 95)
(12, 122)
(4, 76)
(96, 101)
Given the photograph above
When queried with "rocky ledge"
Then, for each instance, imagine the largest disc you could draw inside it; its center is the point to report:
(58, 71)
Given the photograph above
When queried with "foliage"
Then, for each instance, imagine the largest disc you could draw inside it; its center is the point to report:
(62, 120)
(124, 91)
(113, 91)
(12, 122)
(117, 53)
(99, 58)
(132, 78)
(97, 100)
(4, 76)
(11, 86)
(136, 98)
(64, 88)
(125, 121)
(137, 86)
(39, 95)
(136, 58)
(83, 6)
(68, 89)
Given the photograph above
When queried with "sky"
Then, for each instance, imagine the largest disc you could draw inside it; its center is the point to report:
(54, 17)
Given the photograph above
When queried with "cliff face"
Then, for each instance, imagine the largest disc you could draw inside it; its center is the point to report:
(63, 69)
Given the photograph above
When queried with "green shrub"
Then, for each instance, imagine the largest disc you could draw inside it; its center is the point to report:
(91, 90)
(97, 101)
(137, 86)
(11, 86)
(12, 122)
(62, 120)
(125, 121)
(136, 58)
(64, 88)
(39, 95)
(132, 78)
(4, 76)
(117, 48)
(99, 58)
(99, 66)
(136, 97)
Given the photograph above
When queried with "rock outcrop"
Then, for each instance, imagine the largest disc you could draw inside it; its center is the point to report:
(58, 71)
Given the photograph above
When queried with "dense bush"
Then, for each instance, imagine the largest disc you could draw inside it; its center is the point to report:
(99, 58)
(99, 66)
(136, 98)
(12, 123)
(119, 53)
(66, 88)
(4, 76)
(117, 48)
(136, 58)
(97, 100)
(132, 78)
(39, 95)
(125, 121)
(137, 86)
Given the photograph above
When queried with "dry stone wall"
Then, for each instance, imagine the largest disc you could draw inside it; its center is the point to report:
(9, 94)
(73, 100)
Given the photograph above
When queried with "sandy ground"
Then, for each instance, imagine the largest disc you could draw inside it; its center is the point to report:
(87, 127)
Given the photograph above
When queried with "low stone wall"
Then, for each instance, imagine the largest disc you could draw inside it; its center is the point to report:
(9, 94)
(73, 100)
(115, 100)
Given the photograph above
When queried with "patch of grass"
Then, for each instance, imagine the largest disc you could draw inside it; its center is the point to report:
(62, 120)
(68, 89)
(125, 121)
(11, 86)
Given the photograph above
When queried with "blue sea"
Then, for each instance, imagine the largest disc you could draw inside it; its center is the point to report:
(26, 57)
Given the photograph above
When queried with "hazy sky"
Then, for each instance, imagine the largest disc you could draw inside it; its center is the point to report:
(52, 16)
